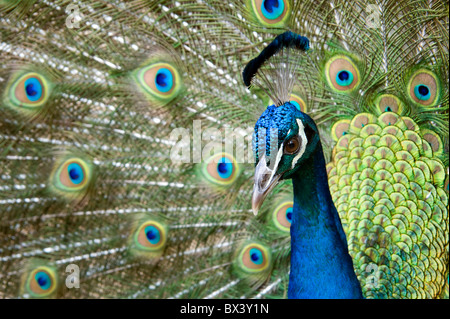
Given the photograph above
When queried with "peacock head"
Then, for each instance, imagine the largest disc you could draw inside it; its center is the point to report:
(283, 139)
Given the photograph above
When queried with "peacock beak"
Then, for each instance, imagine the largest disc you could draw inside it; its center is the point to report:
(265, 182)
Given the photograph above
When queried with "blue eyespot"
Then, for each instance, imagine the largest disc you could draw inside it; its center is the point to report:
(272, 9)
(43, 279)
(388, 109)
(422, 92)
(164, 80)
(344, 78)
(33, 89)
(256, 256)
(289, 214)
(152, 234)
(75, 173)
(225, 168)
(296, 105)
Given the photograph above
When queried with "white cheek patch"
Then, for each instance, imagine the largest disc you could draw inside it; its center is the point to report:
(277, 161)
(304, 140)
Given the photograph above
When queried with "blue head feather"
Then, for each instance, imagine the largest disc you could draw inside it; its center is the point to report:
(280, 124)
(274, 120)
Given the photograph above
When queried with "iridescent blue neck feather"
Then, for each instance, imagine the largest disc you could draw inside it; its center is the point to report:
(321, 266)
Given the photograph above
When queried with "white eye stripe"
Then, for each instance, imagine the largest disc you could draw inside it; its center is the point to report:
(304, 142)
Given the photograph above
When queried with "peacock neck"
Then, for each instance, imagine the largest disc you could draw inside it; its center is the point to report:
(321, 266)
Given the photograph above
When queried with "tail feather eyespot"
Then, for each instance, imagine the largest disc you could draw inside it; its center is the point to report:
(388, 103)
(254, 258)
(71, 177)
(282, 216)
(339, 129)
(271, 12)
(41, 282)
(151, 236)
(27, 92)
(424, 88)
(342, 74)
(434, 140)
(220, 170)
(160, 81)
(148, 237)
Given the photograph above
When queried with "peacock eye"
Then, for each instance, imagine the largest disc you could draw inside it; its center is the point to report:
(344, 78)
(340, 128)
(422, 92)
(29, 91)
(254, 258)
(388, 103)
(41, 282)
(220, 170)
(424, 88)
(160, 80)
(272, 9)
(74, 174)
(282, 216)
(164, 80)
(298, 102)
(150, 236)
(270, 12)
(292, 146)
(342, 74)
(71, 177)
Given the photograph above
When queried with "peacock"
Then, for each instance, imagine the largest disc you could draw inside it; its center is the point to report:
(138, 138)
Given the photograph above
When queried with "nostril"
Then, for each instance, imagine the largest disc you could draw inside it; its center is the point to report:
(264, 180)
